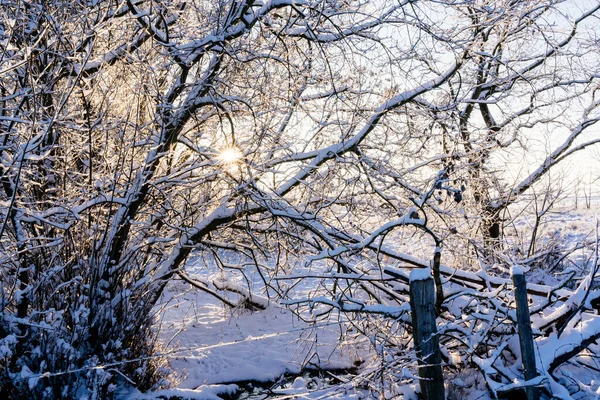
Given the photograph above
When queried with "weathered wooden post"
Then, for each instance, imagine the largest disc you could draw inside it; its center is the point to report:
(427, 343)
(524, 328)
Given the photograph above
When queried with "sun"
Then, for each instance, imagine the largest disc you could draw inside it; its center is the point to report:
(230, 155)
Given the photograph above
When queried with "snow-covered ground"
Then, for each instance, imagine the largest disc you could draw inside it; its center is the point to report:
(218, 352)
(211, 347)
(220, 345)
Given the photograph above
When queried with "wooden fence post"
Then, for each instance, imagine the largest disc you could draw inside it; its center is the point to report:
(524, 327)
(427, 343)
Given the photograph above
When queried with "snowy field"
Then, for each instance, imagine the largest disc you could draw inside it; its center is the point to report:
(216, 346)
(222, 353)
(215, 350)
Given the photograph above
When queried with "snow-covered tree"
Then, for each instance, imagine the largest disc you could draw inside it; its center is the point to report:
(140, 135)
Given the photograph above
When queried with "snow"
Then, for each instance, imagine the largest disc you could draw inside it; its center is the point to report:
(5, 346)
(217, 345)
(518, 270)
(576, 332)
(420, 274)
(298, 388)
(204, 392)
